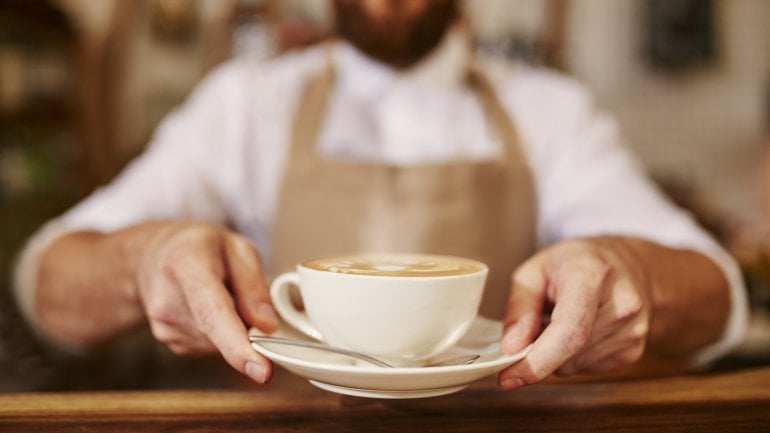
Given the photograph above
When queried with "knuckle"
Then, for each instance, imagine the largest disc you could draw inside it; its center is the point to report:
(180, 349)
(640, 331)
(176, 260)
(591, 267)
(630, 306)
(161, 333)
(194, 232)
(245, 245)
(158, 334)
(193, 248)
(161, 311)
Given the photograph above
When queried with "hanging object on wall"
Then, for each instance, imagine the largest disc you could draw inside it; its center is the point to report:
(680, 34)
(174, 20)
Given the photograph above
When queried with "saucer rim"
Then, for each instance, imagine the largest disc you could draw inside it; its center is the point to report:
(399, 371)
(388, 394)
(356, 369)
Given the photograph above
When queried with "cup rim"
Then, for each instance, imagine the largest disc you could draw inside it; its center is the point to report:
(484, 268)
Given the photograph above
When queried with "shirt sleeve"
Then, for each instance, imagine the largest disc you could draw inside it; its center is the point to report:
(175, 177)
(590, 184)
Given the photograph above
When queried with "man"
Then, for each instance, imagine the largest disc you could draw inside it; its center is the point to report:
(394, 138)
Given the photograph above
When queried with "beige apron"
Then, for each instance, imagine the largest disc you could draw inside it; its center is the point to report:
(482, 210)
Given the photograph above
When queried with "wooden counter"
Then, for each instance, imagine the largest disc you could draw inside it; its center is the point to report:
(716, 402)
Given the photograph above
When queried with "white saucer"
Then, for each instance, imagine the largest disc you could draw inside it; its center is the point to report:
(341, 374)
(377, 393)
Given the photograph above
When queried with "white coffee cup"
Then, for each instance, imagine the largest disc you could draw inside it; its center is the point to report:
(402, 308)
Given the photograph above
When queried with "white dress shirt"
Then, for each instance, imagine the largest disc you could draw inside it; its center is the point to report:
(220, 156)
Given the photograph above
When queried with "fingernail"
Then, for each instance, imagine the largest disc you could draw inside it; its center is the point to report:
(511, 383)
(267, 314)
(256, 372)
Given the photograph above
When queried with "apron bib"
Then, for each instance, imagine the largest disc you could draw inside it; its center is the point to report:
(481, 210)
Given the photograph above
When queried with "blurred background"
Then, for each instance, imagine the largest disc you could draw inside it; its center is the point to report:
(83, 83)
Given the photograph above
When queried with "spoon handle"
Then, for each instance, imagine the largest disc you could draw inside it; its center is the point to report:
(319, 346)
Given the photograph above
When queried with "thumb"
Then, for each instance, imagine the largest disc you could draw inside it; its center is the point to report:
(522, 318)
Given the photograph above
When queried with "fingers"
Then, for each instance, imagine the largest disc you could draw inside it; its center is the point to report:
(248, 283)
(179, 341)
(577, 290)
(624, 347)
(522, 317)
(619, 337)
(171, 321)
(214, 313)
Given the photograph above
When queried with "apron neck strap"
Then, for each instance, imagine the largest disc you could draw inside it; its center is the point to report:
(312, 107)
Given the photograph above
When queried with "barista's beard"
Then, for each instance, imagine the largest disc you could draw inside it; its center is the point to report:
(397, 42)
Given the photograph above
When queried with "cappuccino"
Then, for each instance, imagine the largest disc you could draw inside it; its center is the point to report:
(402, 308)
(397, 265)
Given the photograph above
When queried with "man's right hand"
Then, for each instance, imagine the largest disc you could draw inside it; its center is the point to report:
(195, 283)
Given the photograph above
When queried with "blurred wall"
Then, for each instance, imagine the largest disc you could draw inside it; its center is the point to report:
(158, 50)
(708, 126)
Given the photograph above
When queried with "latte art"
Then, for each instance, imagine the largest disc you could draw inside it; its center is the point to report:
(398, 265)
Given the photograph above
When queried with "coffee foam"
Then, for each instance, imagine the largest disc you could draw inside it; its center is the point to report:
(398, 265)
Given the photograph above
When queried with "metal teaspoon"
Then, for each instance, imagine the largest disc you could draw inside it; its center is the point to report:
(459, 360)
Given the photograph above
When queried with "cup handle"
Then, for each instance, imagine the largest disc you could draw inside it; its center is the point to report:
(279, 292)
